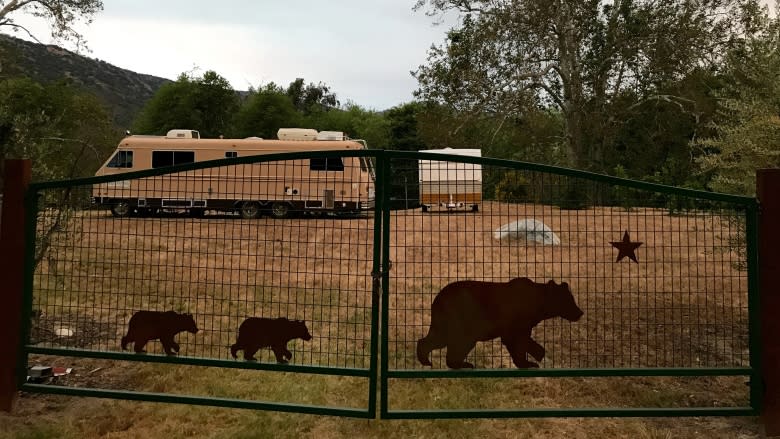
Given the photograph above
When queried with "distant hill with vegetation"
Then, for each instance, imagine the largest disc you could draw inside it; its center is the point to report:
(124, 92)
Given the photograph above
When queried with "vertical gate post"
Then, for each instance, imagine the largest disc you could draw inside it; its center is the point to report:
(768, 192)
(16, 181)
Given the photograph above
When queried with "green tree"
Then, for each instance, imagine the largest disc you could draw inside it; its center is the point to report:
(403, 124)
(207, 104)
(62, 15)
(654, 140)
(311, 98)
(356, 122)
(747, 132)
(577, 57)
(533, 137)
(264, 112)
(66, 133)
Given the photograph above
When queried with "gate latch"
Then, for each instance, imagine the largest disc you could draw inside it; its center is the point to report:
(377, 277)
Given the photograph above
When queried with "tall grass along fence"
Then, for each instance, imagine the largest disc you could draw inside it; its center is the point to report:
(491, 288)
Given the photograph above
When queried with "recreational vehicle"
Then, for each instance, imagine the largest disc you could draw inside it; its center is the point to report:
(342, 184)
(450, 184)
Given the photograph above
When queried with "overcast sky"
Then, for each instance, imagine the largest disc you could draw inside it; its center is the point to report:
(363, 49)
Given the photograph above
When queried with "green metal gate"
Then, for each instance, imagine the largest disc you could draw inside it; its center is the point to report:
(91, 272)
(685, 311)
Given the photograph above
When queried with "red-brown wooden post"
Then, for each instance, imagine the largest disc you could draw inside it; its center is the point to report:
(17, 179)
(768, 192)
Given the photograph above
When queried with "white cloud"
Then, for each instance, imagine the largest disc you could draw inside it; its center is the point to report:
(168, 48)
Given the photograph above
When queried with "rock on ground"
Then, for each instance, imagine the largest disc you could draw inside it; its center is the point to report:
(528, 229)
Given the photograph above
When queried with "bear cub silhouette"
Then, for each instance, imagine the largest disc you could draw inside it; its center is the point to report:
(466, 312)
(157, 325)
(260, 332)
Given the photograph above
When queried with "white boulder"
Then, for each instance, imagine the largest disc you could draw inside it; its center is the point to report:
(528, 229)
(63, 331)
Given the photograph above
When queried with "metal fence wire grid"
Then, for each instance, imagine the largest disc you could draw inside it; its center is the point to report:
(199, 265)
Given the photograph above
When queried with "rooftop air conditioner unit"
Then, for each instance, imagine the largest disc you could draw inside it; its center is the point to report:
(330, 135)
(182, 134)
(296, 134)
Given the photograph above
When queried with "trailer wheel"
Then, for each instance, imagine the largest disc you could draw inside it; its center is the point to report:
(250, 210)
(424, 208)
(280, 210)
(475, 208)
(120, 209)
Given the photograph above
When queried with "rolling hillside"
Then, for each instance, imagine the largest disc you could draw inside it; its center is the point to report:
(123, 91)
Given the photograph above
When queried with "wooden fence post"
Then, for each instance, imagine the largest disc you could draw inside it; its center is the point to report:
(768, 192)
(16, 182)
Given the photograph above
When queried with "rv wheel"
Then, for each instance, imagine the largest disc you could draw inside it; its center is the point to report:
(120, 209)
(280, 210)
(250, 210)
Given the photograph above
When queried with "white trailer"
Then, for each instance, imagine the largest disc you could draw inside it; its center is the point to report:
(450, 185)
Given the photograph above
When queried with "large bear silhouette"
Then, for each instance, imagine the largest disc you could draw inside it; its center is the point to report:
(157, 325)
(466, 312)
(260, 332)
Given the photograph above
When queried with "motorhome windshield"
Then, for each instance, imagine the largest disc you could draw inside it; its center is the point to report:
(122, 159)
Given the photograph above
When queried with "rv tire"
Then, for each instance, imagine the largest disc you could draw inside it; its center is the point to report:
(250, 210)
(280, 210)
(120, 209)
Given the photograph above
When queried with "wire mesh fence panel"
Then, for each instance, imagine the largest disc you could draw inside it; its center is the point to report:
(503, 267)
(677, 296)
(660, 278)
(275, 240)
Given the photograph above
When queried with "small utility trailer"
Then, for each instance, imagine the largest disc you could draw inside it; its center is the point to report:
(450, 185)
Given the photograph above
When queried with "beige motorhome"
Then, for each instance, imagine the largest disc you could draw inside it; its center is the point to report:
(450, 184)
(344, 184)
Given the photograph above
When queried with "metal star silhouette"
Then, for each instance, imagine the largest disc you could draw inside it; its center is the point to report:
(626, 248)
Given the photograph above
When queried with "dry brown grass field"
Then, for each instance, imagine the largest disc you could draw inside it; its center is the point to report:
(683, 305)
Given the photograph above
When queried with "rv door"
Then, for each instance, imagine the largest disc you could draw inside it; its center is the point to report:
(366, 165)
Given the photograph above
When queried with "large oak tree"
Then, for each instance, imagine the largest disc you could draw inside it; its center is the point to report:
(60, 14)
(578, 56)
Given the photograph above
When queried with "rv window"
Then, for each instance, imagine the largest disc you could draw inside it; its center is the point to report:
(182, 157)
(231, 154)
(326, 164)
(122, 159)
(170, 158)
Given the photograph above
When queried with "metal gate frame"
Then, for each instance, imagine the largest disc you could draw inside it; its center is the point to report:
(750, 207)
(380, 373)
(370, 373)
